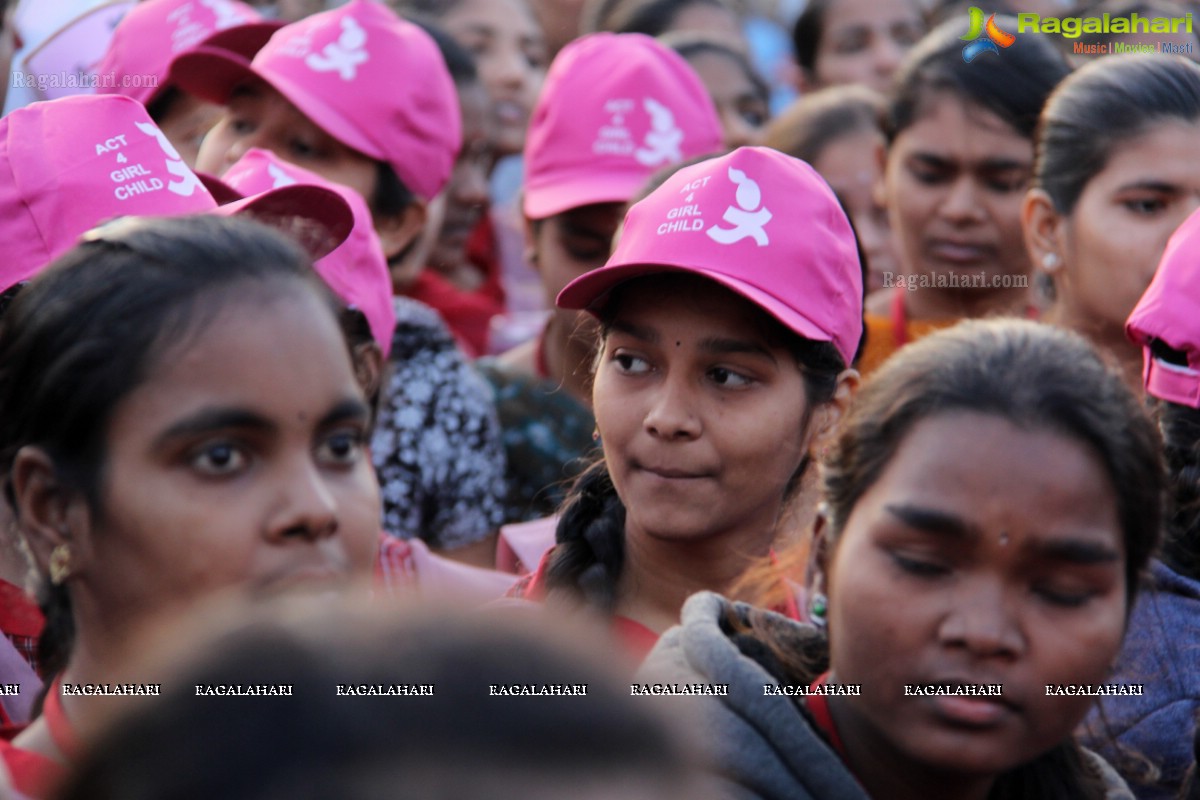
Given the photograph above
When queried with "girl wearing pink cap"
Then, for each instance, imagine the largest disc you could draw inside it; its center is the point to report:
(616, 108)
(1115, 175)
(364, 99)
(1146, 737)
(989, 505)
(182, 417)
(138, 59)
(727, 324)
(959, 159)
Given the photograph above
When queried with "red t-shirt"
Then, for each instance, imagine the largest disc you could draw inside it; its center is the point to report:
(638, 639)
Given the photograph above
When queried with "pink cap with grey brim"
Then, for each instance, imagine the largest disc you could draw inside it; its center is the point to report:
(615, 109)
(374, 82)
(155, 31)
(1169, 312)
(70, 164)
(756, 221)
(357, 269)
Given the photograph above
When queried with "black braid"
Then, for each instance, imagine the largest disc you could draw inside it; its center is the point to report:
(1181, 433)
(591, 542)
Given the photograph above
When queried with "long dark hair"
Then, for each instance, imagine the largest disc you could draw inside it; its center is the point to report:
(587, 562)
(1103, 104)
(1013, 87)
(86, 332)
(1034, 376)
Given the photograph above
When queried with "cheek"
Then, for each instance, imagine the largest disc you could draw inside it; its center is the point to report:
(360, 523)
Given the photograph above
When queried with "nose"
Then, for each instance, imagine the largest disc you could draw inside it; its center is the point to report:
(738, 132)
(471, 185)
(509, 67)
(672, 413)
(887, 55)
(961, 203)
(305, 506)
(980, 620)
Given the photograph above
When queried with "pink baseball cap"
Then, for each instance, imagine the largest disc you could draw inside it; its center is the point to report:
(155, 31)
(615, 109)
(356, 270)
(1169, 312)
(70, 164)
(756, 221)
(374, 82)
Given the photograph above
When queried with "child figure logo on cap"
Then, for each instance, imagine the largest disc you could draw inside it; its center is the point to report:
(227, 14)
(188, 182)
(745, 220)
(343, 56)
(663, 138)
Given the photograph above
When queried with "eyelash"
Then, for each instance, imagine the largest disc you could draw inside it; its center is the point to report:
(919, 568)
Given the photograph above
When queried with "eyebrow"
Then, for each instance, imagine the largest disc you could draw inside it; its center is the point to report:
(717, 345)
(208, 420)
(986, 164)
(941, 524)
(1077, 551)
(938, 523)
(1153, 186)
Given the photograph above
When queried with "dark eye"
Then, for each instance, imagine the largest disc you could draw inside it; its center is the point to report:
(219, 459)
(1062, 597)
(630, 364)
(919, 567)
(723, 376)
(343, 448)
(1145, 206)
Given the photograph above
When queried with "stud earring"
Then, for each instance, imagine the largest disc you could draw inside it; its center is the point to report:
(1050, 262)
(60, 564)
(596, 434)
(818, 609)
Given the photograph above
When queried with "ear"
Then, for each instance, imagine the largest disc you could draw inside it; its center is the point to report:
(1044, 232)
(879, 188)
(398, 231)
(818, 558)
(368, 367)
(48, 513)
(829, 416)
(531, 244)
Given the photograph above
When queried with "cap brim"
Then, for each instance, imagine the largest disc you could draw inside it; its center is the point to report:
(213, 74)
(591, 291)
(315, 216)
(583, 190)
(210, 73)
(221, 191)
(244, 40)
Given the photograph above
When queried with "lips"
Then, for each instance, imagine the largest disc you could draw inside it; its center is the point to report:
(508, 112)
(673, 473)
(960, 252)
(969, 711)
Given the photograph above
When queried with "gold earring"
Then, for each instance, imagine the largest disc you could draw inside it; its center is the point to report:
(60, 564)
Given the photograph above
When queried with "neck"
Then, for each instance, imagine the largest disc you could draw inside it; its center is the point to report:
(658, 575)
(1107, 338)
(885, 772)
(938, 304)
(570, 351)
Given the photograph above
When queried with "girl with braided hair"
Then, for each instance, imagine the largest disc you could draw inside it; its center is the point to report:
(728, 313)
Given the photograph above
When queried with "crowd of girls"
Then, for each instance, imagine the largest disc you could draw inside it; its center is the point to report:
(872, 427)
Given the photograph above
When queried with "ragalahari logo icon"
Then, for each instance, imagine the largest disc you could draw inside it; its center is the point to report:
(984, 37)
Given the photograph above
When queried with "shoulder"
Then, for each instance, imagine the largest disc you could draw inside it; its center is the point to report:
(763, 744)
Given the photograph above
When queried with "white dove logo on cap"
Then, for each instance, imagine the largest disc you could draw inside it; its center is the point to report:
(343, 56)
(279, 178)
(744, 219)
(663, 138)
(188, 182)
(226, 13)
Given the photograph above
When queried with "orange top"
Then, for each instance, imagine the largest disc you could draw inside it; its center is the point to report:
(881, 338)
